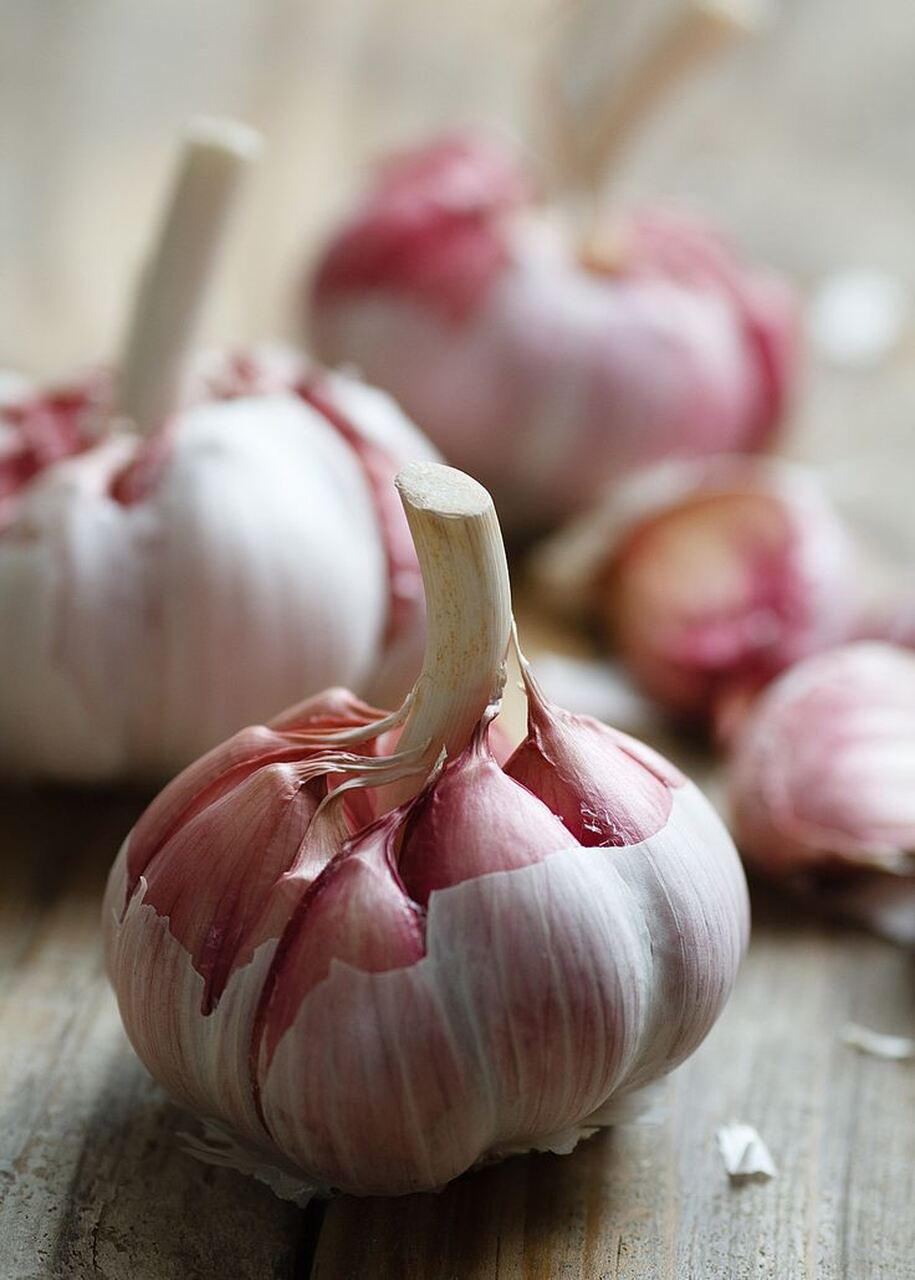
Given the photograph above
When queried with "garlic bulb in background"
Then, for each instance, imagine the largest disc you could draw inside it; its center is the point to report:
(375, 971)
(185, 550)
(710, 577)
(545, 368)
(823, 784)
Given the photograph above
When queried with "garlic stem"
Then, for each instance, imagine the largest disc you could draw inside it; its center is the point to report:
(691, 35)
(468, 605)
(174, 281)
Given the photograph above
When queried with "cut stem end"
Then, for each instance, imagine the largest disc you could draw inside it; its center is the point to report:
(468, 605)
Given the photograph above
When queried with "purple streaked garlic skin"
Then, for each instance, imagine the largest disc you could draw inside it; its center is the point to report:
(161, 591)
(544, 371)
(824, 774)
(823, 784)
(710, 577)
(488, 960)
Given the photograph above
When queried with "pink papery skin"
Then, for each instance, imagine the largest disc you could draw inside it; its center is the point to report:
(731, 570)
(824, 771)
(823, 785)
(161, 592)
(460, 978)
(542, 372)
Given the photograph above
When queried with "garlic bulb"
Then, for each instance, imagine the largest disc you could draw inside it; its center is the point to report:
(374, 971)
(544, 371)
(710, 577)
(160, 592)
(171, 574)
(823, 783)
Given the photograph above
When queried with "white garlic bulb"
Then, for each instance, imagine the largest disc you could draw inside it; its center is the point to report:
(183, 552)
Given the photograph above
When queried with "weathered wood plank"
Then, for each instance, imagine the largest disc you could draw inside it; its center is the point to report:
(93, 1182)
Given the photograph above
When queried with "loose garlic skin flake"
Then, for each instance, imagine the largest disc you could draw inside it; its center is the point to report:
(160, 592)
(380, 988)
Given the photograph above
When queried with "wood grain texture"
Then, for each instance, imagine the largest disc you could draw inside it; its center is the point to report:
(801, 143)
(93, 1182)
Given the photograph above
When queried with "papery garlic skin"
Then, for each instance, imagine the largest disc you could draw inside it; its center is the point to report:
(823, 773)
(487, 966)
(711, 577)
(399, 1081)
(389, 1058)
(160, 593)
(543, 374)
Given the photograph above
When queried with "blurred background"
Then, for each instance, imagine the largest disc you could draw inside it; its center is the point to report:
(797, 141)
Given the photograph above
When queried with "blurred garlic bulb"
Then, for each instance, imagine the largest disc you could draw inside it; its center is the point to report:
(186, 552)
(710, 577)
(823, 783)
(543, 368)
(375, 972)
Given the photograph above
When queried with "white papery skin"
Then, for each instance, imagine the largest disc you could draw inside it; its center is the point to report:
(823, 784)
(395, 1082)
(134, 635)
(623, 959)
(543, 993)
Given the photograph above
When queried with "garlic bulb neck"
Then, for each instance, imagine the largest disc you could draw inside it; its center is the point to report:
(601, 104)
(468, 603)
(174, 282)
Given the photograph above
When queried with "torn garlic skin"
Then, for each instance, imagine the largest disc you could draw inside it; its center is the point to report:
(746, 1157)
(374, 957)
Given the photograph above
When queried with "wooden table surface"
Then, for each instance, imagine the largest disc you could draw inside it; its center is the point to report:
(802, 143)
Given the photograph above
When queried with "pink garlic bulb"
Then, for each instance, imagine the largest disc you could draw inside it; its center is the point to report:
(185, 547)
(823, 784)
(544, 371)
(710, 577)
(373, 971)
